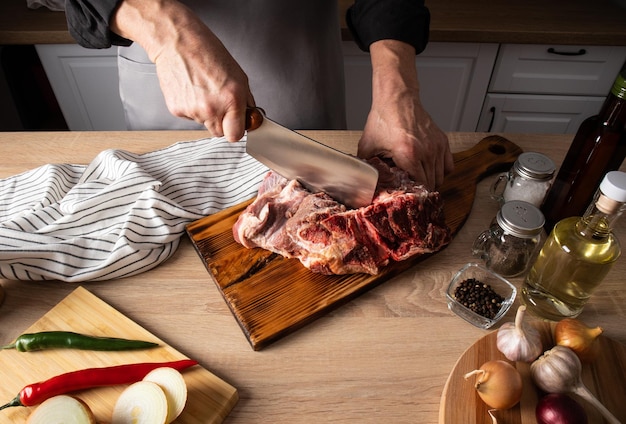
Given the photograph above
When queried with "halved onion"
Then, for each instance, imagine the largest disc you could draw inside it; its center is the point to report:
(143, 402)
(62, 409)
(173, 384)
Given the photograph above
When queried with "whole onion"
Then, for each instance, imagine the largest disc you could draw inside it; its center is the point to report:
(557, 408)
(498, 383)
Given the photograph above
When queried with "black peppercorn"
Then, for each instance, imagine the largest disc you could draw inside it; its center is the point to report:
(478, 297)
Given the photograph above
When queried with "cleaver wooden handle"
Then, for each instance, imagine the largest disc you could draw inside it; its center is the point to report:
(254, 117)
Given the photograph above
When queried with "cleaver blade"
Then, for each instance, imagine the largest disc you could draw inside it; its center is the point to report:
(318, 167)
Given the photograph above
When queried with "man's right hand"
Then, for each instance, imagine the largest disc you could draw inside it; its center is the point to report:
(199, 78)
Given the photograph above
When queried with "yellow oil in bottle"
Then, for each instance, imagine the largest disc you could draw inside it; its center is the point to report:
(572, 263)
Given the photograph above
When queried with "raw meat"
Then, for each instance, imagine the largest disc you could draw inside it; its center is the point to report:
(404, 220)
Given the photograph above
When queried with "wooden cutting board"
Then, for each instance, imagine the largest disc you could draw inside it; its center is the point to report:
(605, 378)
(210, 399)
(271, 296)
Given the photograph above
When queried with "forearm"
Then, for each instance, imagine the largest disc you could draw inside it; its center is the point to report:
(154, 24)
(394, 72)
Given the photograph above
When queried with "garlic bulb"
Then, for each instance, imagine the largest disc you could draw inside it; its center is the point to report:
(583, 340)
(518, 340)
(558, 370)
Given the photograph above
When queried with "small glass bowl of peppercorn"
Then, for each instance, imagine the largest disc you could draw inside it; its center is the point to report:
(480, 296)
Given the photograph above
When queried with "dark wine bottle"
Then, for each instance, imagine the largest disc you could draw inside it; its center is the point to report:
(598, 147)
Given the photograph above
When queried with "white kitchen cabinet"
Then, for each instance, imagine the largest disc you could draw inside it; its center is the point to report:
(453, 77)
(548, 89)
(85, 83)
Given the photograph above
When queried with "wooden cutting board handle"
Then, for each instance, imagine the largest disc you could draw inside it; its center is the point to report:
(485, 156)
(492, 154)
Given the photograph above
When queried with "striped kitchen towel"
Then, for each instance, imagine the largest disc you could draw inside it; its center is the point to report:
(122, 214)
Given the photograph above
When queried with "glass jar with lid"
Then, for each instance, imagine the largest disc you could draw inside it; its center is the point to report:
(529, 180)
(513, 239)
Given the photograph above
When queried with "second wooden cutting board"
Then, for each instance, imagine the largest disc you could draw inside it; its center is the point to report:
(605, 377)
(271, 296)
(210, 399)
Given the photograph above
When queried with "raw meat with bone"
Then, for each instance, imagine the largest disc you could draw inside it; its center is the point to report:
(404, 220)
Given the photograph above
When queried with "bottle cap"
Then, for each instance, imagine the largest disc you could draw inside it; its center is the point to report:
(619, 86)
(613, 186)
(521, 219)
(535, 166)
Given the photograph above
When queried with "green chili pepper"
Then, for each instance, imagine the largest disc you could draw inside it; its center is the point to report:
(68, 340)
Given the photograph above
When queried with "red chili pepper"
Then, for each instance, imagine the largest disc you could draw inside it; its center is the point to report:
(35, 393)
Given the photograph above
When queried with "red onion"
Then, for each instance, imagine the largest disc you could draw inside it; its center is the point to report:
(557, 408)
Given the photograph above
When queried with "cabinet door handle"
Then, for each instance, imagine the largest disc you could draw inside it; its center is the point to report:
(493, 116)
(580, 52)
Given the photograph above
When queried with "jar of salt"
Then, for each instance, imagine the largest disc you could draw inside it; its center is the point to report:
(512, 240)
(529, 180)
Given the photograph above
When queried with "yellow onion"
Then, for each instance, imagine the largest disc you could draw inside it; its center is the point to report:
(579, 337)
(499, 384)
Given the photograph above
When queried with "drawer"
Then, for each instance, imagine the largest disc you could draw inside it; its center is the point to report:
(547, 69)
(531, 113)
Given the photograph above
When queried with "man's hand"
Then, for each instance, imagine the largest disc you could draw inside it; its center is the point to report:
(199, 78)
(397, 126)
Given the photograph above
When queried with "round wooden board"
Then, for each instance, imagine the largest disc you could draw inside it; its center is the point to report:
(605, 378)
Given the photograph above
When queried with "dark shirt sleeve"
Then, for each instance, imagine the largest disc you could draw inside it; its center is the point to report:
(403, 20)
(88, 23)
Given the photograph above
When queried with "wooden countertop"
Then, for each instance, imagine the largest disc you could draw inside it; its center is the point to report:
(576, 22)
(385, 356)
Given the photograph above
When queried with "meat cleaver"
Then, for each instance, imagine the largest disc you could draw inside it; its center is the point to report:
(344, 177)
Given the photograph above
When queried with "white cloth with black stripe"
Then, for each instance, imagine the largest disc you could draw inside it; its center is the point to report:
(122, 214)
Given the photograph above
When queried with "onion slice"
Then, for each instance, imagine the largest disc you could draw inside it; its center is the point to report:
(142, 402)
(62, 409)
(173, 385)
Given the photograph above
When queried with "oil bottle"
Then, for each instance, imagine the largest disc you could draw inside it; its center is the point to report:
(598, 147)
(577, 255)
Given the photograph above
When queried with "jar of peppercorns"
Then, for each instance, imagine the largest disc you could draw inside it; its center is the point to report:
(480, 296)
